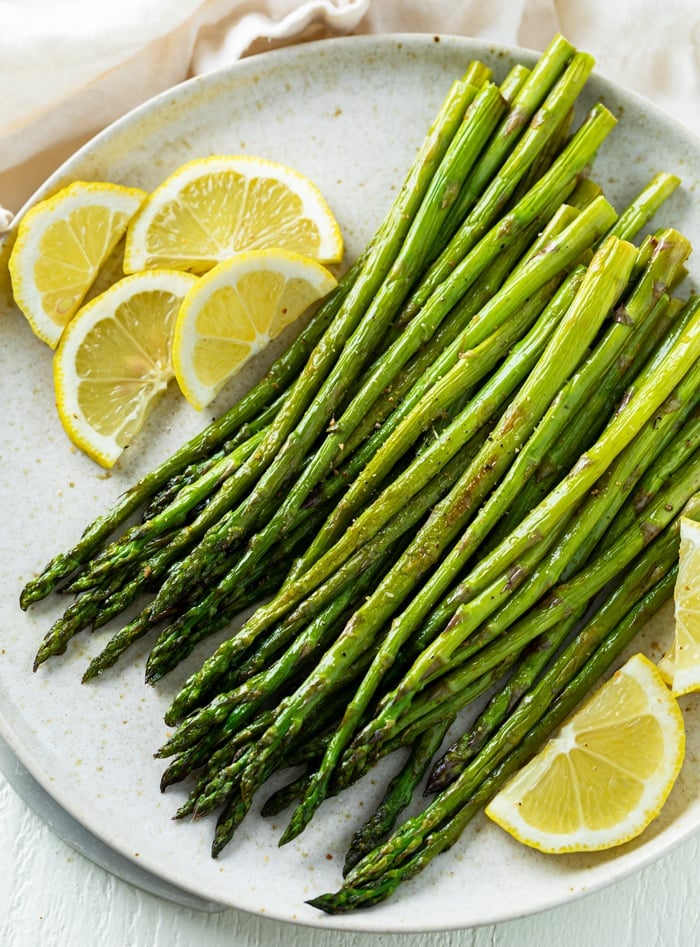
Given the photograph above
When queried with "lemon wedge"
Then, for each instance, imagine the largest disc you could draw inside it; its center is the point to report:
(61, 244)
(114, 360)
(234, 310)
(211, 208)
(680, 666)
(603, 778)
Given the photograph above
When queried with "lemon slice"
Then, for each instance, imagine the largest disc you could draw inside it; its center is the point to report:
(603, 778)
(680, 667)
(61, 244)
(211, 208)
(115, 359)
(235, 310)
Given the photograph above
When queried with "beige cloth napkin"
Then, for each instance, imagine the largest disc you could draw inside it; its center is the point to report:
(69, 67)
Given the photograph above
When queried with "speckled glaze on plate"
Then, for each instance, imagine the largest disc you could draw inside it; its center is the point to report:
(349, 113)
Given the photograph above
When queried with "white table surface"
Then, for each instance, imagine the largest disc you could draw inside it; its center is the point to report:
(54, 896)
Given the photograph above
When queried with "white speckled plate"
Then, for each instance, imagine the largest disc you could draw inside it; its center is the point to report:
(349, 113)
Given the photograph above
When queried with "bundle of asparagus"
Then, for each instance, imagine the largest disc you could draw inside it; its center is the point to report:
(427, 494)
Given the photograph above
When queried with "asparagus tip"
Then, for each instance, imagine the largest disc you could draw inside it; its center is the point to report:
(326, 903)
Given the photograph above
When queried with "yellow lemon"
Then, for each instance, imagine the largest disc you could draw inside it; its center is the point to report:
(61, 244)
(680, 666)
(211, 208)
(114, 360)
(233, 312)
(603, 778)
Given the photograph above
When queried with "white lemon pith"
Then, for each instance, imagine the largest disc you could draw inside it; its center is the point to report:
(115, 359)
(680, 666)
(235, 310)
(607, 773)
(61, 244)
(211, 208)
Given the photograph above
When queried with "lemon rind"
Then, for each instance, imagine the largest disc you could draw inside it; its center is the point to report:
(100, 448)
(116, 197)
(503, 809)
(226, 273)
(316, 206)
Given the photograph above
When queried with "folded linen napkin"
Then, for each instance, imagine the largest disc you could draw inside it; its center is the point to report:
(69, 68)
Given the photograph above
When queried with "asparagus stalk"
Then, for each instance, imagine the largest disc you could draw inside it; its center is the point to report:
(499, 189)
(686, 443)
(636, 215)
(378, 259)
(468, 140)
(283, 797)
(207, 557)
(233, 707)
(219, 664)
(488, 647)
(435, 392)
(177, 640)
(640, 211)
(610, 276)
(633, 319)
(475, 416)
(199, 446)
(419, 840)
(371, 268)
(380, 512)
(556, 143)
(398, 795)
